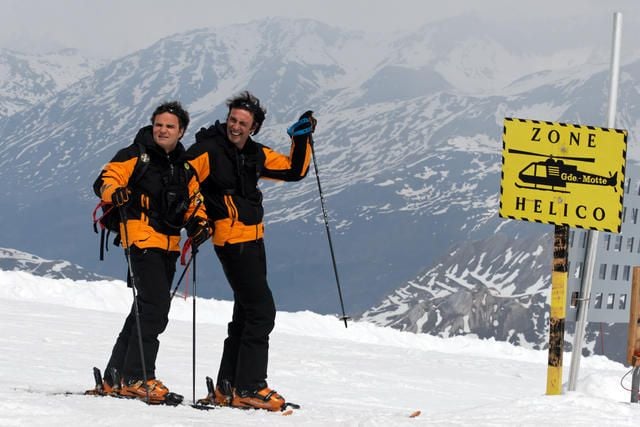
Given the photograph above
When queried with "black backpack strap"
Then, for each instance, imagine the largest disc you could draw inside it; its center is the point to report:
(141, 165)
(102, 244)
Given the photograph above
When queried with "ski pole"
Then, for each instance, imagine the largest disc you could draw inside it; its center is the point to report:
(127, 253)
(195, 404)
(194, 251)
(326, 224)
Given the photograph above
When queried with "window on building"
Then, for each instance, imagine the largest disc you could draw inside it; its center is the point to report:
(574, 300)
(572, 234)
(611, 298)
(614, 271)
(603, 272)
(597, 302)
(626, 273)
(624, 214)
(607, 242)
(630, 244)
(622, 302)
(583, 240)
(618, 244)
(628, 186)
(578, 273)
(634, 215)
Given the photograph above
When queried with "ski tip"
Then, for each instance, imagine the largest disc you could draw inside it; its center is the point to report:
(290, 405)
(415, 414)
(171, 399)
(202, 407)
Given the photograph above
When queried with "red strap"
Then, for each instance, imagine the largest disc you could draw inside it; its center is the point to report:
(98, 206)
(185, 248)
(186, 286)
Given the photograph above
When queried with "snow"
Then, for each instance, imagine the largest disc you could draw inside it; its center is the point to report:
(53, 331)
(479, 143)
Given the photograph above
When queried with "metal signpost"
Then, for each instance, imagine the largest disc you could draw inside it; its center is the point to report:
(587, 279)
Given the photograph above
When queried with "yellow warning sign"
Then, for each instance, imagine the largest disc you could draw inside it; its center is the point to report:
(563, 174)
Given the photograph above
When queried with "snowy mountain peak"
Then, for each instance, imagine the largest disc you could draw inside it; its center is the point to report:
(15, 260)
(27, 79)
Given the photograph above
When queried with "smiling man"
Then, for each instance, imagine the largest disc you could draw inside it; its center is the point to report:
(229, 164)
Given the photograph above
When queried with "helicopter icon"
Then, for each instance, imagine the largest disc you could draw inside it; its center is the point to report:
(553, 174)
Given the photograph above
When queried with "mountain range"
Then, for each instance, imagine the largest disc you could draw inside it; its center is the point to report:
(14, 260)
(408, 151)
(27, 79)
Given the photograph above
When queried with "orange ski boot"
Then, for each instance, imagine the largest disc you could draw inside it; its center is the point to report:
(157, 392)
(261, 398)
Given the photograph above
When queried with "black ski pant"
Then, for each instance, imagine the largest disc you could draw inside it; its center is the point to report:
(153, 269)
(246, 349)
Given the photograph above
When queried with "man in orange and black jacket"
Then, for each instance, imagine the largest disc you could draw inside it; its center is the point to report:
(158, 203)
(229, 164)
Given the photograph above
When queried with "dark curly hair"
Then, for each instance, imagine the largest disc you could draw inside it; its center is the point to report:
(247, 101)
(175, 108)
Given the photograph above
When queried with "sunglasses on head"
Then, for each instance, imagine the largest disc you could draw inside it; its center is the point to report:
(246, 106)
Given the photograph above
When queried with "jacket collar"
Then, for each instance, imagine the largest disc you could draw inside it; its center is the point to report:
(218, 132)
(145, 137)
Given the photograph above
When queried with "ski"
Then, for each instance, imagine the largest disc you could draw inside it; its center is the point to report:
(287, 409)
(170, 399)
(173, 400)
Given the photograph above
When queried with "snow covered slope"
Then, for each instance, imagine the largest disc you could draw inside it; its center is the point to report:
(53, 332)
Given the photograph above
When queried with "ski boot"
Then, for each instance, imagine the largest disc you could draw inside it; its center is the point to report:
(153, 392)
(262, 397)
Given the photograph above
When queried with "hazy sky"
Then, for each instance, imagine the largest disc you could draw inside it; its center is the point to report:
(111, 28)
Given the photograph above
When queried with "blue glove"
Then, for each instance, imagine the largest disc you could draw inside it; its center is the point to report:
(304, 126)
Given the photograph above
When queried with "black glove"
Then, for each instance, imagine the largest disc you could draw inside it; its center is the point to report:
(198, 231)
(120, 197)
(306, 124)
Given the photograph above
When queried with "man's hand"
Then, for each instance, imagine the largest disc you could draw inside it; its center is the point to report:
(305, 125)
(198, 232)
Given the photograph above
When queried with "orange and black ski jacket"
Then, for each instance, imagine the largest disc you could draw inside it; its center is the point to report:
(229, 179)
(163, 199)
